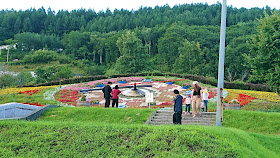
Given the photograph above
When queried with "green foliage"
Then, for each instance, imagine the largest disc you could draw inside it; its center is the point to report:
(24, 78)
(52, 73)
(265, 57)
(240, 84)
(190, 59)
(7, 80)
(73, 41)
(95, 70)
(235, 63)
(133, 57)
(64, 73)
(41, 56)
(35, 41)
(169, 44)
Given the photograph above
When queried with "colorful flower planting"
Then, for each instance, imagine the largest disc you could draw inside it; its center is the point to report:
(163, 93)
(211, 94)
(30, 92)
(26, 95)
(69, 97)
(23, 89)
(267, 96)
(244, 99)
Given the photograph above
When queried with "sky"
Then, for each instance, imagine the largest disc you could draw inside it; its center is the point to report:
(102, 5)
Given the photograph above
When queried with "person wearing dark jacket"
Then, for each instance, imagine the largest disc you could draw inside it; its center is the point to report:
(178, 101)
(107, 94)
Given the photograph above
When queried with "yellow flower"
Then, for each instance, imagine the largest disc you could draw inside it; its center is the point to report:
(22, 89)
(267, 96)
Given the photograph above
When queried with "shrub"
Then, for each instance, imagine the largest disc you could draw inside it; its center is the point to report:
(41, 56)
(7, 80)
(23, 78)
(64, 73)
(95, 70)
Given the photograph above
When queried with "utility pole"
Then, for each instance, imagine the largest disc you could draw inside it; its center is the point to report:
(219, 112)
(8, 55)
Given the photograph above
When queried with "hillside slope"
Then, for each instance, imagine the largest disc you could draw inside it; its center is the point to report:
(64, 135)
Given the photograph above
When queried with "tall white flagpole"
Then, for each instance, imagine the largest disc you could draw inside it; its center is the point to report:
(219, 112)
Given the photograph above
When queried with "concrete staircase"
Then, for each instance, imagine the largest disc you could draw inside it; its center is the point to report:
(165, 117)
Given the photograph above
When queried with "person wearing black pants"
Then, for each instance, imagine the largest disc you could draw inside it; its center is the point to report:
(178, 101)
(115, 96)
(107, 94)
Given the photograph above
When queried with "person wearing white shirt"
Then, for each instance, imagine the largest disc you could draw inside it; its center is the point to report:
(188, 104)
(205, 98)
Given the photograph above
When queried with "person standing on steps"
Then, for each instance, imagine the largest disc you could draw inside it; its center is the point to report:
(205, 99)
(178, 101)
(188, 104)
(196, 98)
(115, 96)
(107, 94)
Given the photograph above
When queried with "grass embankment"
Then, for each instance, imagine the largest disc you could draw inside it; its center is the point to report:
(97, 115)
(99, 132)
(32, 67)
(261, 105)
(253, 121)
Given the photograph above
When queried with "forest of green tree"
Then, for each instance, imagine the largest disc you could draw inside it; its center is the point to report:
(181, 39)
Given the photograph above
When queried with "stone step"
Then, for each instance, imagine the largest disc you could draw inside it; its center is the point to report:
(183, 123)
(202, 120)
(183, 118)
(186, 116)
(169, 112)
(165, 117)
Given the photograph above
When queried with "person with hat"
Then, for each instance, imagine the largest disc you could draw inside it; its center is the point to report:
(196, 98)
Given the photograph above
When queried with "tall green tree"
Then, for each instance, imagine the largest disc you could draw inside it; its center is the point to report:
(236, 66)
(133, 57)
(190, 59)
(169, 44)
(265, 51)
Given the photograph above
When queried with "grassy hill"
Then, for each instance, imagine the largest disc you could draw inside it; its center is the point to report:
(98, 132)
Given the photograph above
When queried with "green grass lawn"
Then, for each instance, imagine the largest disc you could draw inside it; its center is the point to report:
(97, 115)
(253, 121)
(99, 132)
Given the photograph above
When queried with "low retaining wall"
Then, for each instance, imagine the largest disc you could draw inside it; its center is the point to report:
(33, 115)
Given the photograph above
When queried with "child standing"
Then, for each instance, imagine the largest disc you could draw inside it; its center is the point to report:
(202, 106)
(205, 98)
(188, 104)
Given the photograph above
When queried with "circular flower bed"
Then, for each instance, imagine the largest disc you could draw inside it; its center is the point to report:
(163, 93)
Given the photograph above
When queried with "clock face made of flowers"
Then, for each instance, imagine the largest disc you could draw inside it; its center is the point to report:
(162, 92)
